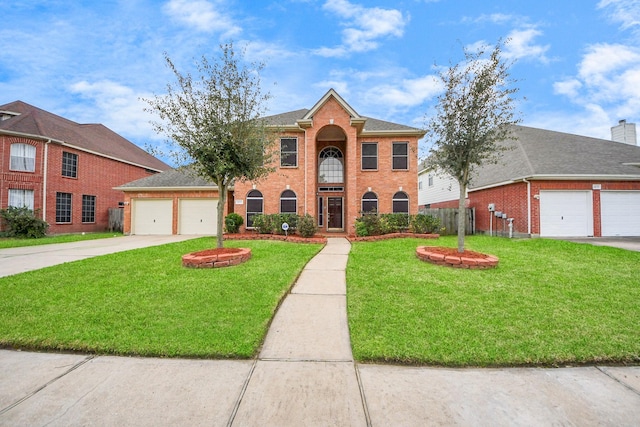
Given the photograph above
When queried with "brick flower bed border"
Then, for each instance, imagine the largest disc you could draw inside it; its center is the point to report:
(456, 261)
(392, 236)
(279, 237)
(209, 259)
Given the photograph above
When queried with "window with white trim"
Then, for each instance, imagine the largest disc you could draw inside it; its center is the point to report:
(400, 156)
(288, 152)
(23, 158)
(369, 202)
(400, 202)
(21, 198)
(255, 206)
(288, 202)
(331, 166)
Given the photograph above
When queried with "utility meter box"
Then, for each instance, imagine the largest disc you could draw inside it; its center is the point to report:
(492, 207)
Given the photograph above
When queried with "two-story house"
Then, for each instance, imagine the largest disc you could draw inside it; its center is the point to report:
(65, 170)
(331, 163)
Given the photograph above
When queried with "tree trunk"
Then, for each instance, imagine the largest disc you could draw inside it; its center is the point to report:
(222, 200)
(462, 217)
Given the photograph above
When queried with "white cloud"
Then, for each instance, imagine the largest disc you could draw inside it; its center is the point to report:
(625, 12)
(607, 85)
(364, 27)
(407, 93)
(202, 15)
(119, 107)
(520, 45)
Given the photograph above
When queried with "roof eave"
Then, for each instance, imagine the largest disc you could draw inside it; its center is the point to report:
(172, 188)
(576, 177)
(403, 132)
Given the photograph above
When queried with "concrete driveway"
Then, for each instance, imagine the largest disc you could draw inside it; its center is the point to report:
(628, 243)
(19, 260)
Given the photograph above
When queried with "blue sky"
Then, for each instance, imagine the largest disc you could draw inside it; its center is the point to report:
(577, 61)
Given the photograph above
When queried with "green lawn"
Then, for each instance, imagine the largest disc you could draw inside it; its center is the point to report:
(143, 302)
(62, 238)
(548, 303)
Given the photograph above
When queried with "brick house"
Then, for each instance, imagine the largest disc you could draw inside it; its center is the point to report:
(332, 163)
(64, 169)
(551, 184)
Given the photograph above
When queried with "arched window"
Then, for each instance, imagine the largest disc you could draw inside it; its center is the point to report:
(369, 202)
(401, 202)
(23, 158)
(255, 206)
(331, 166)
(288, 202)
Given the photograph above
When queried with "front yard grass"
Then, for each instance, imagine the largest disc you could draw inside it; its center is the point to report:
(548, 303)
(12, 242)
(143, 302)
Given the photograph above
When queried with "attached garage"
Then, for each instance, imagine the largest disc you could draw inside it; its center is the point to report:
(620, 213)
(566, 213)
(197, 216)
(152, 216)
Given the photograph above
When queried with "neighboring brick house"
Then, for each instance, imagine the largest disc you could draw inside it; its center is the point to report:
(65, 170)
(552, 184)
(332, 163)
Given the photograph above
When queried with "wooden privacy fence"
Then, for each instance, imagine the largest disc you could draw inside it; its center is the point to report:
(116, 219)
(449, 219)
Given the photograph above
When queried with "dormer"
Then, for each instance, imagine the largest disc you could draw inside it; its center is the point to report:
(6, 115)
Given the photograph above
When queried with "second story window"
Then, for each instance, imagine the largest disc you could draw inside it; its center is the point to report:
(23, 158)
(69, 165)
(400, 156)
(369, 156)
(331, 166)
(288, 152)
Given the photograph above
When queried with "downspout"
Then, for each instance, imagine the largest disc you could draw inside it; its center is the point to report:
(528, 206)
(306, 148)
(45, 169)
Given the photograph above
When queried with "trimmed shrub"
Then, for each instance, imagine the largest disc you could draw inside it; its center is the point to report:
(262, 223)
(369, 224)
(232, 222)
(424, 224)
(394, 223)
(22, 222)
(307, 226)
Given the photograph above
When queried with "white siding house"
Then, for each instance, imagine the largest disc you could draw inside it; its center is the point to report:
(434, 187)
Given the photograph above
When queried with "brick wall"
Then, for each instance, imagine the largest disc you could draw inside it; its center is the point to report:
(96, 176)
(331, 118)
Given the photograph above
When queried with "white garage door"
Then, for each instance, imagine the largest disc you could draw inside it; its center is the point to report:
(620, 212)
(566, 213)
(198, 216)
(152, 216)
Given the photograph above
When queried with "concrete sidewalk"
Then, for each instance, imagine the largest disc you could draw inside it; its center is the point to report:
(27, 258)
(305, 376)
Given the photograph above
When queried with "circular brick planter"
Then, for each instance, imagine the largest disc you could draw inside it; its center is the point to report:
(216, 258)
(451, 258)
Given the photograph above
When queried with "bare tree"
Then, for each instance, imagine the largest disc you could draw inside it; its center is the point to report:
(214, 124)
(472, 116)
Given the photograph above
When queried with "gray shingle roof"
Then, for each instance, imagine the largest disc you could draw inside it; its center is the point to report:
(539, 153)
(34, 121)
(174, 178)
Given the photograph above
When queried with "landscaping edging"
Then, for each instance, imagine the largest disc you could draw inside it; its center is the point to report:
(209, 258)
(456, 261)
(392, 236)
(279, 237)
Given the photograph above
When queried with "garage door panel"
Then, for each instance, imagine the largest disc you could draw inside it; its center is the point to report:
(566, 213)
(152, 216)
(620, 213)
(198, 216)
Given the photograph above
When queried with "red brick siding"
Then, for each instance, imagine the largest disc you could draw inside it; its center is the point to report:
(384, 182)
(97, 176)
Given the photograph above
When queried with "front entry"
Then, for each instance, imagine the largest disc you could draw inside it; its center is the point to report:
(335, 214)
